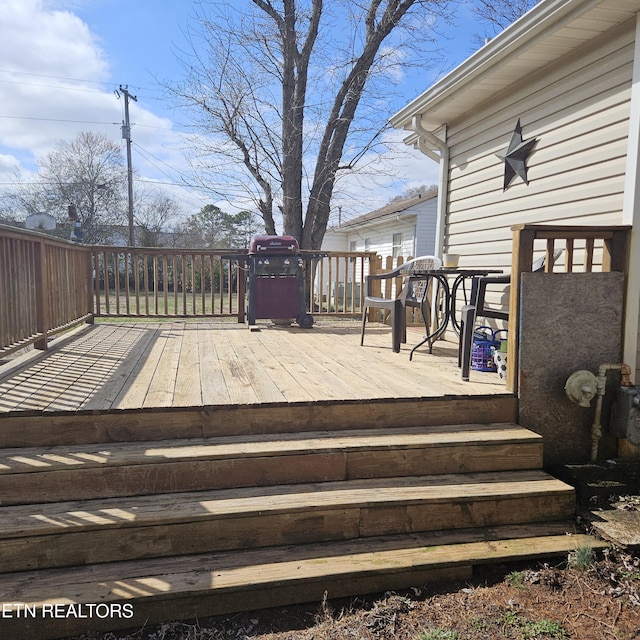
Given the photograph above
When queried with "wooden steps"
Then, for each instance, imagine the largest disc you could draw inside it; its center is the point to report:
(105, 597)
(55, 473)
(142, 530)
(63, 534)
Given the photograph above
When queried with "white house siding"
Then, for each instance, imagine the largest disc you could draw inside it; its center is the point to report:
(416, 222)
(426, 232)
(578, 111)
(380, 238)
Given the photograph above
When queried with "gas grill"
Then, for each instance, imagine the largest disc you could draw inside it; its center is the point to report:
(276, 280)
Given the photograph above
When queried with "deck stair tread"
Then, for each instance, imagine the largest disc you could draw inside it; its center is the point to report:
(139, 511)
(188, 514)
(245, 570)
(64, 457)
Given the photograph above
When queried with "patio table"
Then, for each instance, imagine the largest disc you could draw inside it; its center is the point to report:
(449, 293)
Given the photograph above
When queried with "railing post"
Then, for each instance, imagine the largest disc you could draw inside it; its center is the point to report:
(241, 294)
(41, 295)
(375, 267)
(521, 261)
(89, 271)
(616, 250)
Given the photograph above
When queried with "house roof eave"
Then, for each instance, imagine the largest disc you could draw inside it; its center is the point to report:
(525, 44)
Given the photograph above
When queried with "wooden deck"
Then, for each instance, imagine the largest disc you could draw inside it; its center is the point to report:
(129, 366)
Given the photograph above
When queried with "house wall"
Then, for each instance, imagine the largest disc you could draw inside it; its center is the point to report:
(380, 238)
(578, 111)
(417, 225)
(426, 230)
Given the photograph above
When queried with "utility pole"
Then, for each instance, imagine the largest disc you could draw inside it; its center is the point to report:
(126, 134)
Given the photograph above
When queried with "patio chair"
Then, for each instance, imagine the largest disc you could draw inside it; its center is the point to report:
(478, 308)
(412, 294)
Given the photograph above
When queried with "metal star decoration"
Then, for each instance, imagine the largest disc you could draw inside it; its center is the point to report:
(515, 157)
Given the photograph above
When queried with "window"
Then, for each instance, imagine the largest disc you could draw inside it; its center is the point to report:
(396, 244)
(353, 246)
(367, 244)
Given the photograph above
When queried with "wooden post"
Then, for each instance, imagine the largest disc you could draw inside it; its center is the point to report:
(375, 267)
(41, 297)
(521, 262)
(90, 286)
(241, 294)
(616, 250)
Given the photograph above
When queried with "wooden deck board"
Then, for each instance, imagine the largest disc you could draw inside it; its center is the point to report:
(237, 571)
(141, 511)
(214, 389)
(161, 391)
(36, 459)
(141, 337)
(133, 392)
(189, 383)
(186, 364)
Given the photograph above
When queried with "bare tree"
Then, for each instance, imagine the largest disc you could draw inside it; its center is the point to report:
(87, 172)
(157, 219)
(423, 191)
(295, 92)
(499, 14)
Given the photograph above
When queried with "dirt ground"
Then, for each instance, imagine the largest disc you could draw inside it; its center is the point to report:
(583, 599)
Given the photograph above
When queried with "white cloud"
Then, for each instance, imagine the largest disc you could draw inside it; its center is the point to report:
(42, 51)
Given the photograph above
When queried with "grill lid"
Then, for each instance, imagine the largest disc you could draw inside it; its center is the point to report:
(273, 245)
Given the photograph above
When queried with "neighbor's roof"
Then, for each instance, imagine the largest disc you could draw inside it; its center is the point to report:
(391, 209)
(550, 30)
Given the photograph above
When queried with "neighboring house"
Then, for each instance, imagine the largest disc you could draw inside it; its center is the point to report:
(406, 228)
(403, 228)
(563, 80)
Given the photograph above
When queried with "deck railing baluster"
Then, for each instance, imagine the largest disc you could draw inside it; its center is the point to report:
(50, 284)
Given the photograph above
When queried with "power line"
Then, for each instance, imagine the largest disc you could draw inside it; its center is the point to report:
(50, 86)
(42, 75)
(82, 80)
(58, 120)
(145, 153)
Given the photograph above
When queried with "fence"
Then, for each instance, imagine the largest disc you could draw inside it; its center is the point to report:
(44, 288)
(181, 283)
(48, 285)
(166, 282)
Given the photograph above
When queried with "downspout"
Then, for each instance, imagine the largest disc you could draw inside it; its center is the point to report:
(427, 142)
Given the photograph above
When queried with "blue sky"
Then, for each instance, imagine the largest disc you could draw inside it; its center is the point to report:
(63, 59)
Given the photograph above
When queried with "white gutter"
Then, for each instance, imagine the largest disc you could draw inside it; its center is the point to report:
(631, 215)
(427, 141)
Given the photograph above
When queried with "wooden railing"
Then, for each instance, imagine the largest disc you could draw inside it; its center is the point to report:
(584, 249)
(171, 283)
(44, 288)
(339, 282)
(47, 285)
(182, 283)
